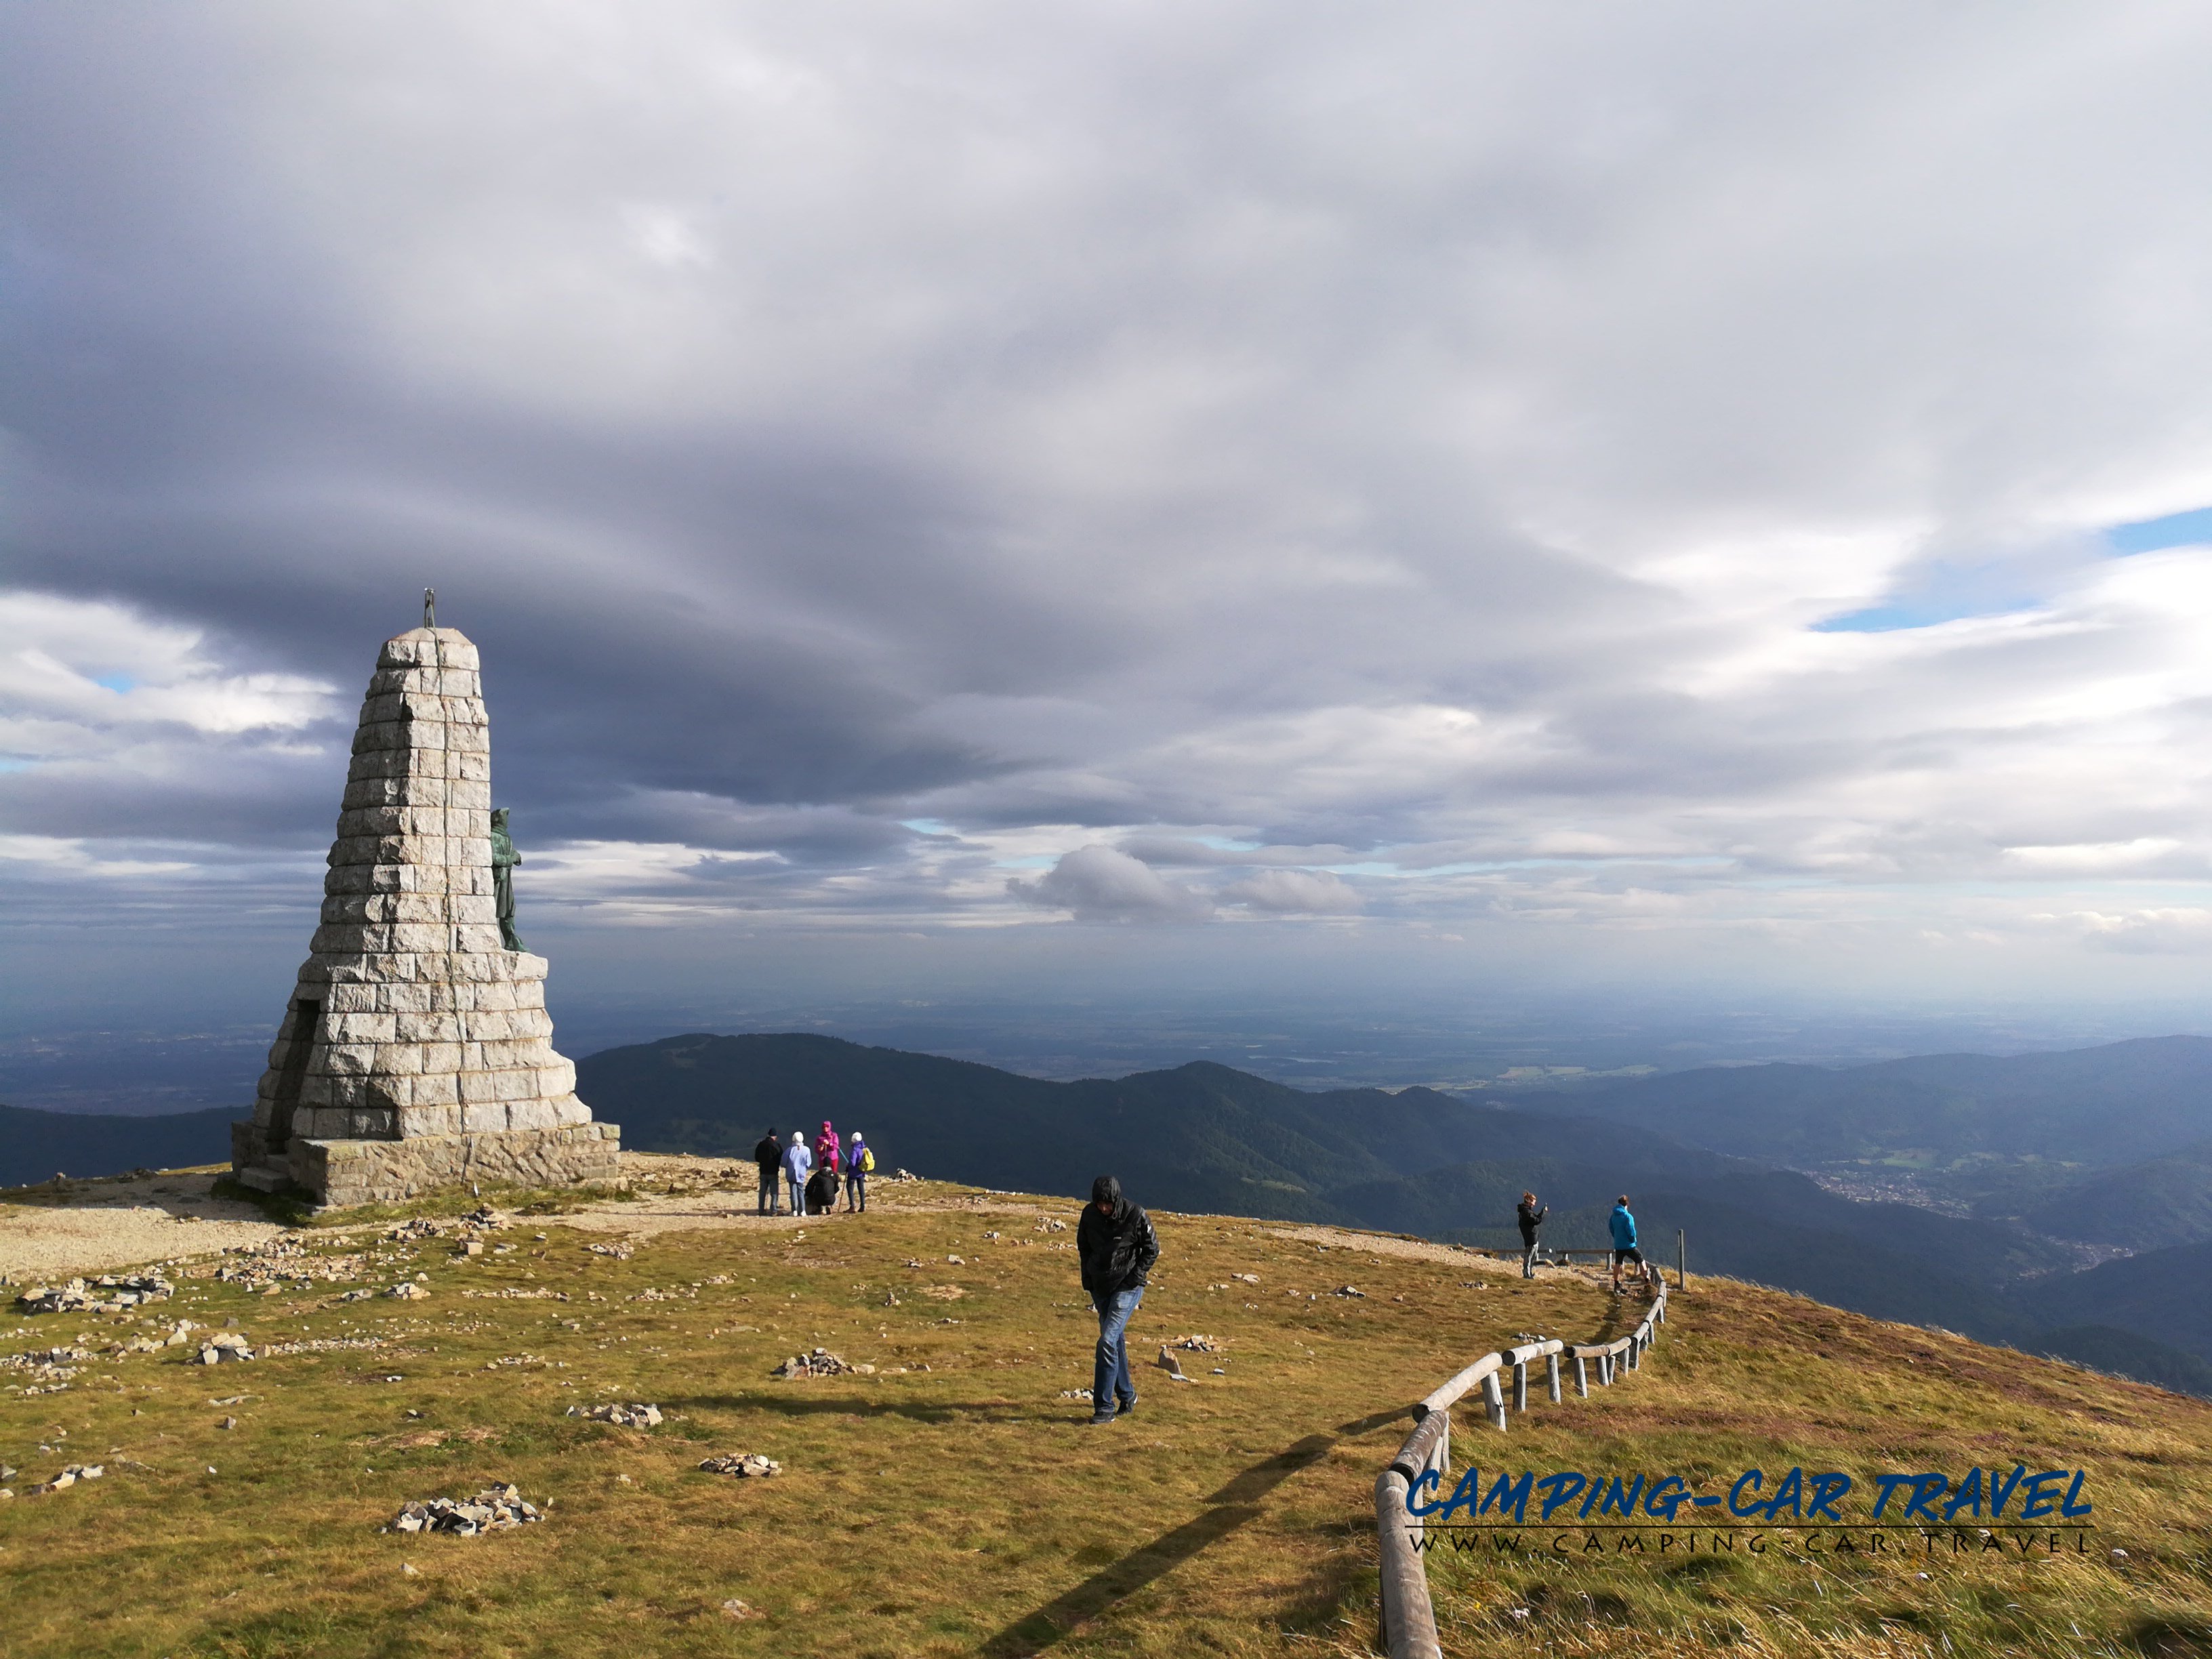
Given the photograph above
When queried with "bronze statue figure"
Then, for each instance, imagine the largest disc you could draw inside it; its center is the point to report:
(504, 858)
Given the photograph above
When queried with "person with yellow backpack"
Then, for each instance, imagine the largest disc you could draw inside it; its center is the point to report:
(859, 1161)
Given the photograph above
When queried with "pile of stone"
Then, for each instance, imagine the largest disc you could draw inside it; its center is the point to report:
(1075, 1393)
(1196, 1344)
(620, 1253)
(284, 1260)
(154, 1341)
(904, 1175)
(742, 1464)
(493, 1509)
(633, 1415)
(408, 1290)
(224, 1347)
(67, 1478)
(107, 1294)
(1347, 1290)
(1051, 1224)
(418, 1227)
(820, 1363)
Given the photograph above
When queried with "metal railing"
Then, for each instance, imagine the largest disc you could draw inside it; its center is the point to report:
(1409, 1619)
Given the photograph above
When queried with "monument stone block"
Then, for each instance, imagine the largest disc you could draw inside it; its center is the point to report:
(415, 1050)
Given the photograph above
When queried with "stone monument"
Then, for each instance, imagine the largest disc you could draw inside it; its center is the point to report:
(416, 1051)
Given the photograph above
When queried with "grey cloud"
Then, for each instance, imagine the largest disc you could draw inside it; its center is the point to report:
(1419, 437)
(1296, 892)
(1099, 884)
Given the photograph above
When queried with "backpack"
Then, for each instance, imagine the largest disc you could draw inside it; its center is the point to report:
(867, 1160)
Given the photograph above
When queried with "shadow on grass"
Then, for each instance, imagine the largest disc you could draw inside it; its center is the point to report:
(951, 1411)
(1234, 1505)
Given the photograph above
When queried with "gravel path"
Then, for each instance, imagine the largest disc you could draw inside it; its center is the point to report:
(98, 1226)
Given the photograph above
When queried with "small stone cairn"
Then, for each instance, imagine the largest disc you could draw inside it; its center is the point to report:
(108, 1294)
(742, 1464)
(496, 1508)
(225, 1347)
(820, 1363)
(633, 1415)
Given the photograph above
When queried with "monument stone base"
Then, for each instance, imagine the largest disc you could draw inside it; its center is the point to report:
(344, 1173)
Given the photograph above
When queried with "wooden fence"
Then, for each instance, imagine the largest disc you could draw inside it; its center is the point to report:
(1409, 1620)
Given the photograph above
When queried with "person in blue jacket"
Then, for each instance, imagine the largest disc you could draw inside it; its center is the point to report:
(797, 1164)
(1624, 1239)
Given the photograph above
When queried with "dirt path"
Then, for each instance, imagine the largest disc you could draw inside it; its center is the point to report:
(94, 1226)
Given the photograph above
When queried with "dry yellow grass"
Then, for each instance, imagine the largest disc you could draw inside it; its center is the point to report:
(967, 1508)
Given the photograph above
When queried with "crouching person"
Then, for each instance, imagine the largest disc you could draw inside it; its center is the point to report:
(1116, 1246)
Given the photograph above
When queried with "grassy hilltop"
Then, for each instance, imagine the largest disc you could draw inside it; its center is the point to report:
(952, 1502)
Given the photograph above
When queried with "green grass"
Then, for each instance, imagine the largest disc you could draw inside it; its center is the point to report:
(966, 1508)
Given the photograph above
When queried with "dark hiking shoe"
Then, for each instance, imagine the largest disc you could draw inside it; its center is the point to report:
(1128, 1406)
(1103, 1417)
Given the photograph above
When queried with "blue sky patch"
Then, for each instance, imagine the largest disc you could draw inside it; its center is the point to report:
(2152, 535)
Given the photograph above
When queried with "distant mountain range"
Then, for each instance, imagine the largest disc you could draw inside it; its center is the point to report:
(1696, 1151)
(2011, 1137)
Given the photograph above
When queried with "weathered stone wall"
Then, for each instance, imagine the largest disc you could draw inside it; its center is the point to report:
(409, 1020)
(348, 1172)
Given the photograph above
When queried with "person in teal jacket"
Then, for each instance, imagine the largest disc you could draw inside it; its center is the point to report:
(1624, 1239)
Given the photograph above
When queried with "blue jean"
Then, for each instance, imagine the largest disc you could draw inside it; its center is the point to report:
(1109, 1376)
(768, 1190)
(798, 1192)
(856, 1189)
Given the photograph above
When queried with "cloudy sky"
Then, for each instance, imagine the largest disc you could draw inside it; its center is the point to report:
(1299, 494)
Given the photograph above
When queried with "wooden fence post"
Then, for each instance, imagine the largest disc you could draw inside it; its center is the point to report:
(1493, 1397)
(1581, 1377)
(1521, 1385)
(1551, 1376)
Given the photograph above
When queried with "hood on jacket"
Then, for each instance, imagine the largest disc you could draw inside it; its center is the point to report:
(1107, 1190)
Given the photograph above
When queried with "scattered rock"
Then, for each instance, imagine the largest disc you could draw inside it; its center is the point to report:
(1075, 1393)
(67, 1478)
(1168, 1363)
(1346, 1289)
(734, 1608)
(742, 1464)
(408, 1290)
(635, 1415)
(619, 1252)
(820, 1363)
(109, 1294)
(1196, 1344)
(956, 1261)
(225, 1346)
(1248, 1279)
(493, 1509)
(904, 1175)
(1051, 1224)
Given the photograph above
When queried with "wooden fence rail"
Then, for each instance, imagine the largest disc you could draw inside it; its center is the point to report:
(1409, 1619)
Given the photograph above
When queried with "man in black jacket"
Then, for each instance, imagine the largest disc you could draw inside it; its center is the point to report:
(1116, 1246)
(1531, 1216)
(768, 1156)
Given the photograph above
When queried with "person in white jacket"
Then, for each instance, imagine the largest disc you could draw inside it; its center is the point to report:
(797, 1164)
